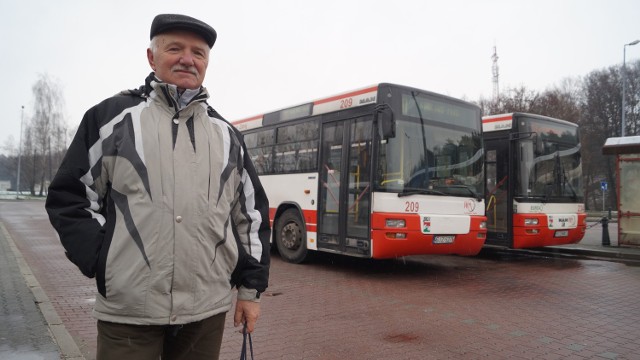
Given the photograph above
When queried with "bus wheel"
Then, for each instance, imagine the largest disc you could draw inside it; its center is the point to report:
(290, 237)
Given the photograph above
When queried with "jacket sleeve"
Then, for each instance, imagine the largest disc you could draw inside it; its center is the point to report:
(75, 196)
(252, 231)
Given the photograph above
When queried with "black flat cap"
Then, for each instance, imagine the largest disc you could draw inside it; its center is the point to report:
(166, 22)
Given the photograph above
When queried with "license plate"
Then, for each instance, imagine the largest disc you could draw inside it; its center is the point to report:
(443, 239)
(562, 233)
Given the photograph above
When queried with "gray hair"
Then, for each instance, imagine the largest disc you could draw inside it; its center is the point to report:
(154, 45)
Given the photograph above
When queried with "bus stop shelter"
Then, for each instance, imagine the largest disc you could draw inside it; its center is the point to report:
(627, 152)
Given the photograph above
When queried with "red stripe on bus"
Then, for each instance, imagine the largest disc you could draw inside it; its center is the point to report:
(247, 119)
(338, 97)
(311, 220)
(502, 118)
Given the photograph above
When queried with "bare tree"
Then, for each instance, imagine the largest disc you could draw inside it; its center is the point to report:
(29, 171)
(601, 119)
(511, 100)
(632, 99)
(47, 128)
(9, 162)
(561, 102)
(9, 148)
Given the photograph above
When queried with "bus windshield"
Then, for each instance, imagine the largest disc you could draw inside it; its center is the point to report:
(437, 150)
(550, 168)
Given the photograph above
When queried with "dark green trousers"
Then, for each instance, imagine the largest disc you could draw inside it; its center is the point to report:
(198, 340)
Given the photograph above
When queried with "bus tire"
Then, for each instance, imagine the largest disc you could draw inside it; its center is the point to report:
(291, 239)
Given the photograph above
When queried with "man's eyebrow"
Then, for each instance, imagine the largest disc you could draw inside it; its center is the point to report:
(182, 44)
(172, 42)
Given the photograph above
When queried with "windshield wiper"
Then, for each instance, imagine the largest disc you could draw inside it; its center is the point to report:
(416, 191)
(465, 187)
(565, 182)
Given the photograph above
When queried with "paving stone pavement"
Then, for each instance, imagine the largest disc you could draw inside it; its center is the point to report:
(24, 333)
(498, 306)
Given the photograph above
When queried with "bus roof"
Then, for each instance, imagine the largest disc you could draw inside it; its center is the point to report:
(354, 98)
(505, 121)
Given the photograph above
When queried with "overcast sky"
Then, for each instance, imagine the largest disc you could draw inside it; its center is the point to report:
(278, 53)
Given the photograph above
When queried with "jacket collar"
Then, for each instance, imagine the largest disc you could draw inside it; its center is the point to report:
(168, 93)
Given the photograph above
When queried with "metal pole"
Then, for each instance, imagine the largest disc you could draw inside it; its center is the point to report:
(624, 86)
(19, 155)
(624, 83)
(606, 240)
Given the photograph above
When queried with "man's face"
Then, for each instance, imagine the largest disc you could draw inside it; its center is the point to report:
(179, 58)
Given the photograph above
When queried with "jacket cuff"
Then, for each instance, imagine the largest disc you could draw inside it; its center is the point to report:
(248, 294)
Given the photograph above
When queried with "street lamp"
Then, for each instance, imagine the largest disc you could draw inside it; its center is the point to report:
(19, 155)
(624, 80)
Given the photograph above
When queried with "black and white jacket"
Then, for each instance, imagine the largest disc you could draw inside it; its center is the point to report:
(158, 199)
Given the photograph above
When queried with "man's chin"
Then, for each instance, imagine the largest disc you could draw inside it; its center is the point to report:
(187, 85)
(186, 80)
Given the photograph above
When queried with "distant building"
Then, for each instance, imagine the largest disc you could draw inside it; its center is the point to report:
(5, 185)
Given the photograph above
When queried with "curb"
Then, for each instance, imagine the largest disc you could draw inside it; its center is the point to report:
(630, 258)
(602, 253)
(68, 347)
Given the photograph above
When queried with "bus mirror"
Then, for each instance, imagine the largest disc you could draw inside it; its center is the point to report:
(387, 122)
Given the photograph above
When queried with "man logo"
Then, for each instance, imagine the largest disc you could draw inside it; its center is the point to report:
(469, 205)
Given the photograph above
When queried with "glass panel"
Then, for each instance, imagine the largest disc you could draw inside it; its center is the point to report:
(432, 158)
(630, 230)
(261, 158)
(307, 131)
(330, 177)
(496, 191)
(266, 138)
(285, 158)
(358, 204)
(292, 154)
(629, 185)
(549, 161)
(629, 200)
(260, 150)
(307, 156)
(286, 134)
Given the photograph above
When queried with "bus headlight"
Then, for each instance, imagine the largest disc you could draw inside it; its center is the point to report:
(483, 225)
(531, 221)
(395, 223)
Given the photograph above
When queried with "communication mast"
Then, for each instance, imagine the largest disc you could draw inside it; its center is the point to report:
(494, 68)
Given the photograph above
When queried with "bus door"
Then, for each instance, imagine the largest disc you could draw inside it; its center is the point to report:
(498, 201)
(344, 206)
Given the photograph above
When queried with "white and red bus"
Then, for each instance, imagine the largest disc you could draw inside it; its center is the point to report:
(534, 192)
(380, 172)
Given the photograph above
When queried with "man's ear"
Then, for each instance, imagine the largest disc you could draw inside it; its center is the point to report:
(150, 59)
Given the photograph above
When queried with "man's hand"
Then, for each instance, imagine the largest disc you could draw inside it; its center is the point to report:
(246, 311)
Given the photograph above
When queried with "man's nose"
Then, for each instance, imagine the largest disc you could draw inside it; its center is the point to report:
(187, 58)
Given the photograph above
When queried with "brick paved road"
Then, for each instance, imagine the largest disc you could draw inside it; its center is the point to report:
(71, 294)
(23, 332)
(426, 307)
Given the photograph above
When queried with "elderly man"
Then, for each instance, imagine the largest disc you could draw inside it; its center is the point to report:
(158, 200)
